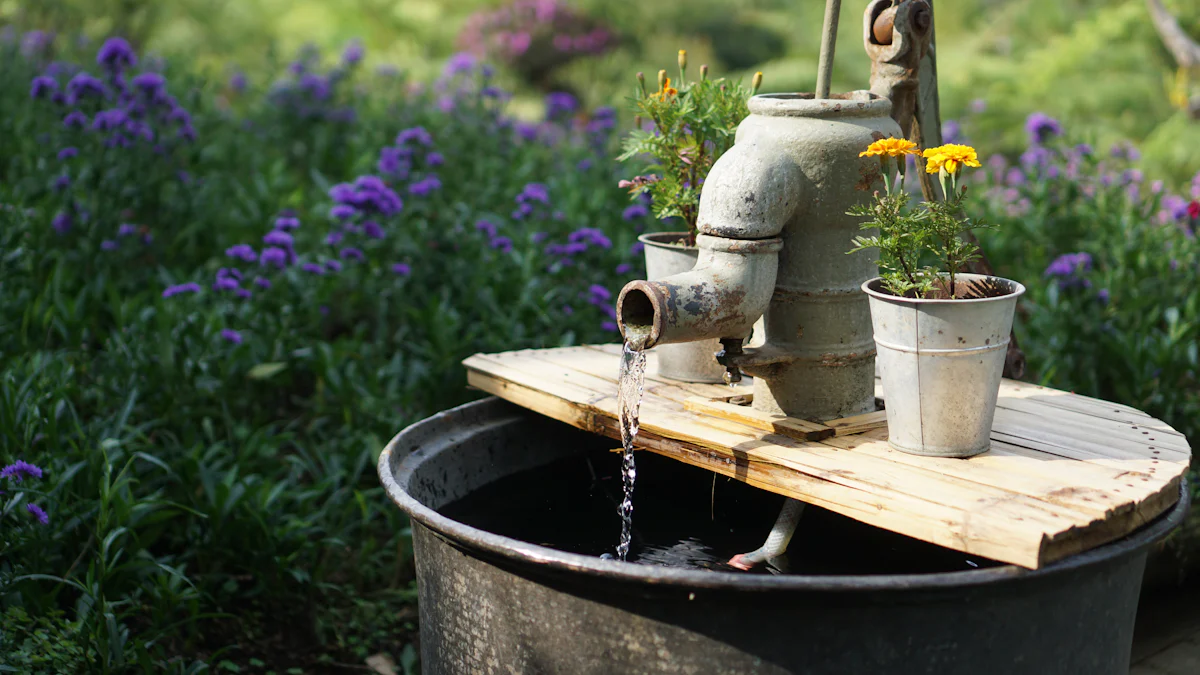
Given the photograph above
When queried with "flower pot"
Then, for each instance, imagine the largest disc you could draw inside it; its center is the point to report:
(666, 255)
(941, 362)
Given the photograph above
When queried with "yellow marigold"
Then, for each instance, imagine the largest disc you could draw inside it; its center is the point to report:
(951, 157)
(892, 147)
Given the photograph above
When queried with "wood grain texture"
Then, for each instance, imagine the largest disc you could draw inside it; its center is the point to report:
(1065, 473)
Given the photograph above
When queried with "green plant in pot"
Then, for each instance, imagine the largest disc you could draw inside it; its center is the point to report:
(941, 334)
(680, 131)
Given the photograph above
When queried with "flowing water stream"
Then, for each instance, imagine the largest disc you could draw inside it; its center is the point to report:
(630, 382)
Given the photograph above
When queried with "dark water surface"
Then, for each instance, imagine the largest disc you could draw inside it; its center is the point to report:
(685, 520)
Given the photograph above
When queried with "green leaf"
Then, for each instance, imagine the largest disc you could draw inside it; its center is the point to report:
(265, 371)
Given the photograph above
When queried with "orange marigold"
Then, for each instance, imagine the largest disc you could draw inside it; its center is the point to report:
(891, 147)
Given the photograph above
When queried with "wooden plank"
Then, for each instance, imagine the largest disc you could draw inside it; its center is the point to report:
(779, 424)
(1065, 473)
(859, 424)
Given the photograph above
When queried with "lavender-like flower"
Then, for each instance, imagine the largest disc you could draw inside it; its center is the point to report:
(278, 238)
(372, 230)
(353, 54)
(62, 222)
(38, 513)
(634, 212)
(1041, 128)
(418, 134)
(19, 470)
(459, 64)
(313, 268)
(352, 253)
(262, 282)
(534, 192)
(62, 183)
(333, 265)
(334, 238)
(435, 159)
(238, 82)
(43, 86)
(190, 287)
(242, 252)
(425, 186)
(230, 335)
(83, 86)
(342, 212)
(487, 227)
(127, 230)
(75, 120)
(598, 295)
(624, 268)
(274, 256)
(401, 269)
(502, 244)
(287, 223)
(108, 245)
(590, 235)
(1069, 268)
(116, 54)
(560, 104)
(149, 83)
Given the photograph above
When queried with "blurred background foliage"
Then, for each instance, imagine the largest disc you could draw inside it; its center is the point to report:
(1097, 65)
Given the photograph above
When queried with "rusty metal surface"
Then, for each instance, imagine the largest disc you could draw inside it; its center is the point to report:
(490, 604)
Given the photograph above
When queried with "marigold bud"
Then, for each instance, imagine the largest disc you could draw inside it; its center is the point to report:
(637, 122)
(704, 72)
(756, 83)
(641, 78)
(682, 60)
(662, 80)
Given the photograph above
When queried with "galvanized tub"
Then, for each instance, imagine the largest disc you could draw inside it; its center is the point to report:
(490, 604)
(941, 362)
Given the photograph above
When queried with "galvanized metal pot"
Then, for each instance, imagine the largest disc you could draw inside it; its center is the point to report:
(666, 255)
(491, 604)
(941, 363)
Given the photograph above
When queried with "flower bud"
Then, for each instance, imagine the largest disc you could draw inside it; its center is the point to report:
(662, 80)
(637, 122)
(704, 72)
(682, 60)
(641, 78)
(756, 83)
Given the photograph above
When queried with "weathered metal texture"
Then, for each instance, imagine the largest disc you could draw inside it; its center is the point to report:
(817, 361)
(490, 604)
(722, 296)
(941, 362)
(684, 361)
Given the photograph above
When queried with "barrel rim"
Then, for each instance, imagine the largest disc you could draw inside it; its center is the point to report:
(466, 419)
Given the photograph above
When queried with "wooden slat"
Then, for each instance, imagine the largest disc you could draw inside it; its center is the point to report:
(779, 424)
(1065, 472)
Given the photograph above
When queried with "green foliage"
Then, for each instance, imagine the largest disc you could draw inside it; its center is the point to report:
(692, 125)
(45, 645)
(907, 236)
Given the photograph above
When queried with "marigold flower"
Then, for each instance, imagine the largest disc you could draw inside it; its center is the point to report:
(950, 157)
(666, 90)
(891, 147)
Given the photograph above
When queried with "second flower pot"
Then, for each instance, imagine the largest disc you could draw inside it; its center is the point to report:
(941, 362)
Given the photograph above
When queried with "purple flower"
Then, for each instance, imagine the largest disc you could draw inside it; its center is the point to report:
(106, 120)
(287, 223)
(1126, 151)
(190, 287)
(262, 282)
(108, 245)
(522, 211)
(38, 512)
(127, 230)
(116, 54)
(149, 83)
(352, 253)
(75, 120)
(274, 256)
(62, 182)
(584, 164)
(1103, 296)
(598, 295)
(333, 238)
(333, 265)
(353, 53)
(560, 104)
(608, 326)
(417, 134)
(61, 223)
(394, 161)
(313, 268)
(460, 63)
(20, 469)
(237, 82)
(43, 86)
(534, 192)
(242, 252)
(342, 212)
(951, 131)
(425, 186)
(231, 335)
(503, 244)
(1069, 268)
(590, 235)
(435, 159)
(278, 238)
(82, 86)
(372, 230)
(225, 282)
(401, 269)
(1041, 128)
(624, 268)
(634, 212)
(567, 310)
(486, 227)
(637, 248)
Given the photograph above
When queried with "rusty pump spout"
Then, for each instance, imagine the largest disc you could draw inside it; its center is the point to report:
(747, 199)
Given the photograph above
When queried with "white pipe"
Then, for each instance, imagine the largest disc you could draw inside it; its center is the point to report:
(777, 541)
